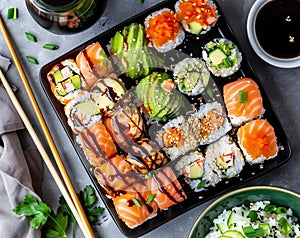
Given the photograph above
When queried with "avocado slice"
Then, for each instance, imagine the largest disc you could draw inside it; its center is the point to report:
(76, 81)
(195, 27)
(117, 43)
(216, 56)
(117, 87)
(87, 107)
(60, 89)
(221, 163)
(196, 171)
(57, 75)
(142, 88)
(191, 81)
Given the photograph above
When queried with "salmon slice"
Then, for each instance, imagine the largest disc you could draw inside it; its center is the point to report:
(243, 108)
(93, 63)
(166, 188)
(258, 140)
(115, 175)
(133, 208)
(97, 143)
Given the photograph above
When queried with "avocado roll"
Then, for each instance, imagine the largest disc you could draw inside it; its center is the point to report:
(163, 30)
(81, 112)
(191, 76)
(225, 158)
(197, 17)
(222, 57)
(65, 80)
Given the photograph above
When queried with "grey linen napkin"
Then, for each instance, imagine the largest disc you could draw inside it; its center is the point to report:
(21, 173)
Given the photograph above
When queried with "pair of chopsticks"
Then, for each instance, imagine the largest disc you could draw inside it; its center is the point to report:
(70, 195)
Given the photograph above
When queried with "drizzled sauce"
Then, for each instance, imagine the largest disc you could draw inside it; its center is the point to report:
(278, 28)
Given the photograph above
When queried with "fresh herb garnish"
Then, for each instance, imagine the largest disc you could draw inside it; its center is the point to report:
(12, 13)
(32, 60)
(50, 46)
(30, 37)
(56, 225)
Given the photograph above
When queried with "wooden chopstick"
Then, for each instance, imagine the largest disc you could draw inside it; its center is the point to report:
(70, 195)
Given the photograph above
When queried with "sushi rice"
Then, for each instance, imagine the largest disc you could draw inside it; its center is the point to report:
(184, 73)
(233, 221)
(227, 51)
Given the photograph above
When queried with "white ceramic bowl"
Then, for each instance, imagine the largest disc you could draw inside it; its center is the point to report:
(278, 62)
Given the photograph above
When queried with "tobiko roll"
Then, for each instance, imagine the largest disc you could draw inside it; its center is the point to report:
(258, 141)
(197, 16)
(191, 76)
(222, 57)
(163, 30)
(243, 101)
(65, 80)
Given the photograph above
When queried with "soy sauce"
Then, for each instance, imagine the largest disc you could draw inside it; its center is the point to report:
(278, 28)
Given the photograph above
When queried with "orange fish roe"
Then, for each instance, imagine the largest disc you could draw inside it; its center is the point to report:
(197, 11)
(162, 28)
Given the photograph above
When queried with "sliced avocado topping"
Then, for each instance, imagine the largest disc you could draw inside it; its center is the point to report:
(117, 43)
(87, 108)
(196, 171)
(191, 81)
(195, 27)
(60, 89)
(217, 56)
(76, 81)
(58, 76)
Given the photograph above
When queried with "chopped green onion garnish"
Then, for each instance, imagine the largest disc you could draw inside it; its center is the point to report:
(280, 210)
(32, 60)
(12, 13)
(269, 208)
(30, 37)
(252, 215)
(243, 97)
(141, 1)
(285, 227)
(226, 62)
(137, 202)
(266, 228)
(150, 198)
(249, 231)
(201, 184)
(50, 47)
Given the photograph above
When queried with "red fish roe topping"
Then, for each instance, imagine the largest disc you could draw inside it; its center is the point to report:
(163, 28)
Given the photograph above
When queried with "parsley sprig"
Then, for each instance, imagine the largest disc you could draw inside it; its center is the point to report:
(56, 224)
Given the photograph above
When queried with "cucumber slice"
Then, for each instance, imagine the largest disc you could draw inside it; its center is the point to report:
(217, 56)
(195, 27)
(234, 218)
(233, 234)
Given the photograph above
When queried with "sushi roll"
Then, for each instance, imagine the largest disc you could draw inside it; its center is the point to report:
(106, 92)
(163, 30)
(93, 64)
(258, 141)
(222, 57)
(136, 206)
(197, 174)
(166, 188)
(65, 80)
(197, 17)
(225, 158)
(243, 101)
(191, 76)
(81, 112)
(208, 123)
(115, 176)
(96, 143)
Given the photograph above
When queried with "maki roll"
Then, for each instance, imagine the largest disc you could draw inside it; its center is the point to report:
(191, 76)
(197, 174)
(65, 80)
(225, 158)
(166, 188)
(163, 30)
(81, 112)
(222, 57)
(197, 16)
(93, 63)
(243, 101)
(258, 141)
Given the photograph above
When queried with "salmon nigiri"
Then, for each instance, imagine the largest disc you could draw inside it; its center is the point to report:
(115, 175)
(243, 101)
(166, 188)
(93, 63)
(96, 143)
(137, 206)
(258, 141)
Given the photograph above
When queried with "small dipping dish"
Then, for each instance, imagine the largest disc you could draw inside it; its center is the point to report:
(274, 33)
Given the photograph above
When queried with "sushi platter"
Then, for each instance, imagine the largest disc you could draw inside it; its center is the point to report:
(165, 113)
